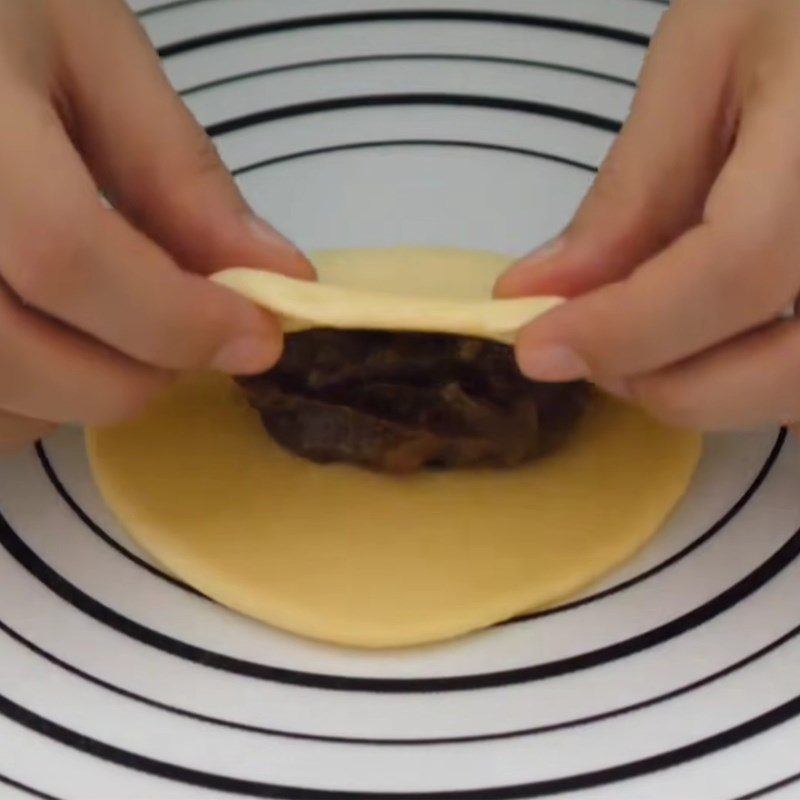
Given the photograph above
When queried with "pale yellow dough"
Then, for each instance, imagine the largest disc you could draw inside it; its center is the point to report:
(352, 557)
(404, 289)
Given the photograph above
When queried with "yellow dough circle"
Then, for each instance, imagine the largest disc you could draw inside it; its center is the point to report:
(348, 556)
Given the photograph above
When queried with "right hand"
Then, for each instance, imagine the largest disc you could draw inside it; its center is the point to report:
(683, 261)
(100, 307)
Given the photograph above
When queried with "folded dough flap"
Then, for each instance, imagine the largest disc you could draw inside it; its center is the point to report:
(302, 305)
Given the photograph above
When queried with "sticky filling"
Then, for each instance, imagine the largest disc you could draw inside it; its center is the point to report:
(405, 402)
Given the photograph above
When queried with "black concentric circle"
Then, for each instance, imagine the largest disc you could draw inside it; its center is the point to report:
(207, 780)
(77, 598)
(712, 531)
(25, 789)
(265, 117)
(404, 742)
(404, 15)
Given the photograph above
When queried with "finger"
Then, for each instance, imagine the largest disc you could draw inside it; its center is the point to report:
(17, 432)
(95, 273)
(54, 374)
(734, 272)
(652, 185)
(153, 158)
(751, 381)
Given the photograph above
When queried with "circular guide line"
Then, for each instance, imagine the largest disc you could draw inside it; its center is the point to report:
(316, 107)
(171, 5)
(400, 742)
(321, 106)
(714, 529)
(545, 788)
(25, 789)
(92, 607)
(403, 15)
(303, 109)
(773, 717)
(771, 788)
(399, 57)
(57, 483)
(380, 143)
(532, 107)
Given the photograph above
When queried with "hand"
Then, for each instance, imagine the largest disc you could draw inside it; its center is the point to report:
(685, 255)
(99, 306)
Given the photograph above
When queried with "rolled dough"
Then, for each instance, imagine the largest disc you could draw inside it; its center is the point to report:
(348, 556)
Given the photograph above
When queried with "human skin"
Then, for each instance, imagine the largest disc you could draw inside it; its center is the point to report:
(679, 264)
(684, 257)
(100, 307)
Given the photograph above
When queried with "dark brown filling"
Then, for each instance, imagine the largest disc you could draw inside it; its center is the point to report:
(402, 402)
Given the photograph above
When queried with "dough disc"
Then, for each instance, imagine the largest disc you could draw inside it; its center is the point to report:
(348, 556)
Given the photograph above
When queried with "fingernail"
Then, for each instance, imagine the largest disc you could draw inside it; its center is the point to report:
(553, 362)
(523, 274)
(246, 355)
(547, 250)
(264, 231)
(291, 262)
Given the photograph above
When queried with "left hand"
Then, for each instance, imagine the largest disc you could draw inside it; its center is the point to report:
(101, 307)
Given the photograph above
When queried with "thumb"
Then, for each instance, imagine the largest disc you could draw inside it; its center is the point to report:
(653, 184)
(152, 157)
